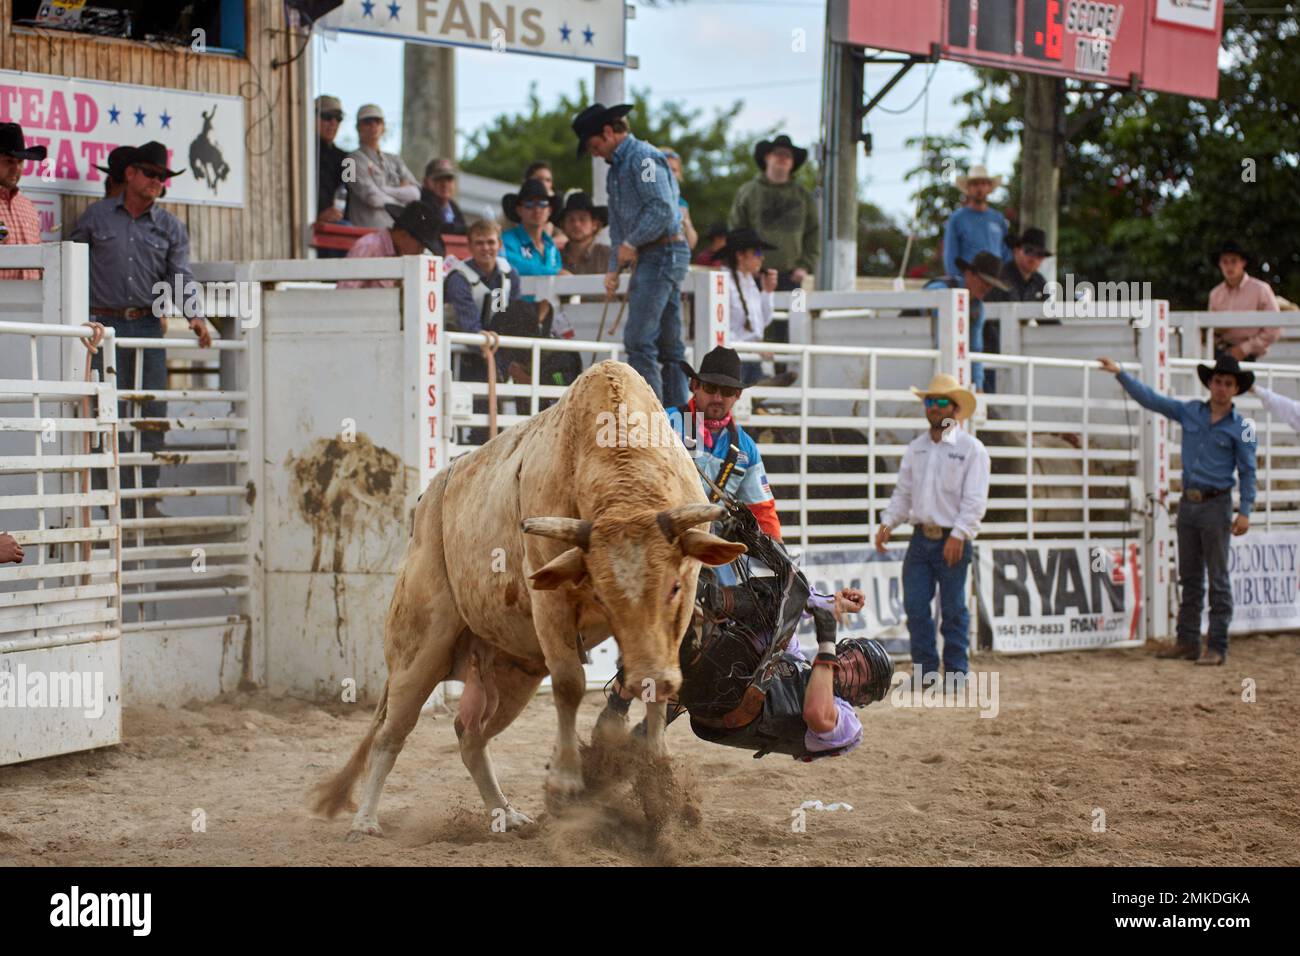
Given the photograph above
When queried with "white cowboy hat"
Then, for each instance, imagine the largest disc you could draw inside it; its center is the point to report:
(946, 386)
(978, 172)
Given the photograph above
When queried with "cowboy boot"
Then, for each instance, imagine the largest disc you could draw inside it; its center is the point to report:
(1209, 658)
(1178, 652)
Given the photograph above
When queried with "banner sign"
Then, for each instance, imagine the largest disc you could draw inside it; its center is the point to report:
(47, 213)
(587, 30)
(1264, 567)
(880, 578)
(81, 121)
(1058, 595)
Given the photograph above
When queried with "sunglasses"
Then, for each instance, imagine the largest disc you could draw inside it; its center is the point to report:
(534, 204)
(938, 402)
(157, 174)
(334, 116)
(723, 390)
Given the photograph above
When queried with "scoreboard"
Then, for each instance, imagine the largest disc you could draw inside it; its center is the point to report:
(1166, 45)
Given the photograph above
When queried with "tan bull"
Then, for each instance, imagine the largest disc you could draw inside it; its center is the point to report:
(606, 533)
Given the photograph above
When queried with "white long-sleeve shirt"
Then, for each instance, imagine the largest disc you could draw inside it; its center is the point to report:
(745, 294)
(943, 482)
(1279, 406)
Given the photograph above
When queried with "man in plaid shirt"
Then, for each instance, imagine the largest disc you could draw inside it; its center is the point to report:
(19, 224)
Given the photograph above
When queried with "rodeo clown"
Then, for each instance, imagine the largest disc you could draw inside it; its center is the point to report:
(746, 681)
(942, 492)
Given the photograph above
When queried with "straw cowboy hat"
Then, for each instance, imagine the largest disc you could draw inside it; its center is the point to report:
(945, 386)
(978, 172)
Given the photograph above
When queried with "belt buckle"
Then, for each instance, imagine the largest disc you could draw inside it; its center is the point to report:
(932, 531)
(1195, 494)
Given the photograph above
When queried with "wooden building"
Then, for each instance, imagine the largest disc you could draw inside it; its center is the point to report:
(251, 44)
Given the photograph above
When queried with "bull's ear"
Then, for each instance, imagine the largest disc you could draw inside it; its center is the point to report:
(569, 566)
(709, 548)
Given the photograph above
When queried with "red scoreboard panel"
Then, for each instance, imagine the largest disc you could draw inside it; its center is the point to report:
(1166, 45)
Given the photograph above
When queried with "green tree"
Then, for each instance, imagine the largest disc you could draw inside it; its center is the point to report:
(715, 159)
(1152, 182)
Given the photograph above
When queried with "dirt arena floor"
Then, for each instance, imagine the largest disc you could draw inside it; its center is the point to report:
(1184, 771)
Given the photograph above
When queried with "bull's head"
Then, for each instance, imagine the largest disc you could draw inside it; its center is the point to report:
(642, 573)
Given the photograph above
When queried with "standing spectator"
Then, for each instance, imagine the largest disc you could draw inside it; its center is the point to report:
(581, 221)
(469, 284)
(1239, 292)
(751, 293)
(942, 492)
(1216, 443)
(329, 159)
(527, 246)
(780, 210)
(115, 171)
(1024, 282)
(382, 179)
(975, 227)
(688, 227)
(710, 251)
(439, 192)
(136, 246)
(19, 223)
(645, 234)
(414, 230)
(980, 278)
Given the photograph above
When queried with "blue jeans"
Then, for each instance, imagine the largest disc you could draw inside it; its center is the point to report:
(923, 569)
(977, 343)
(653, 334)
(153, 377)
(1204, 537)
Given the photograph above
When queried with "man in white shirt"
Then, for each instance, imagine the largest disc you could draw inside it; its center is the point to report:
(1279, 406)
(943, 492)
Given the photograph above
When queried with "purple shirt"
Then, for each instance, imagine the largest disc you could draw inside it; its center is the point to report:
(847, 731)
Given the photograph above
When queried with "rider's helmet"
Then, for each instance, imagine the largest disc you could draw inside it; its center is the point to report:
(865, 671)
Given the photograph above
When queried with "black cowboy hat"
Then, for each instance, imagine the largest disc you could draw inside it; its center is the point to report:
(739, 240)
(420, 220)
(118, 160)
(720, 367)
(1226, 364)
(717, 230)
(1031, 240)
(1230, 247)
(988, 267)
(531, 189)
(579, 201)
(13, 144)
(153, 153)
(594, 118)
(766, 146)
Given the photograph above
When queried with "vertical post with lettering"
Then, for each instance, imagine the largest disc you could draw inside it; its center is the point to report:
(954, 336)
(426, 358)
(1158, 550)
(712, 312)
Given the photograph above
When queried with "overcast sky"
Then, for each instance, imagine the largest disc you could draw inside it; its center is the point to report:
(706, 53)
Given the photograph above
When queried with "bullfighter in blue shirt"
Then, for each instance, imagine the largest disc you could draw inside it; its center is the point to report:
(1216, 442)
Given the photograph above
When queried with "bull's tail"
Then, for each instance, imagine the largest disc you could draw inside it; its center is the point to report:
(332, 795)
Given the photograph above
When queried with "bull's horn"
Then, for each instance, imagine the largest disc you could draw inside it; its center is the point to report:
(676, 520)
(574, 531)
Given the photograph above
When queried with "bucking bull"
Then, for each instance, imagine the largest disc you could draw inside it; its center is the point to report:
(610, 535)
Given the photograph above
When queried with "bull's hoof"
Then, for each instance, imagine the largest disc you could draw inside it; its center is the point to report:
(360, 831)
(562, 788)
(610, 729)
(508, 818)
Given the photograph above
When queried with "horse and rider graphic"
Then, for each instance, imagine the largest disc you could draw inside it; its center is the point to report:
(206, 161)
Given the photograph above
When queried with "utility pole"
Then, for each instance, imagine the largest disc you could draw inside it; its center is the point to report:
(838, 267)
(1041, 148)
(428, 105)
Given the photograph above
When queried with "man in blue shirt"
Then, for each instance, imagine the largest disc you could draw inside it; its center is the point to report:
(980, 277)
(976, 227)
(645, 233)
(1215, 444)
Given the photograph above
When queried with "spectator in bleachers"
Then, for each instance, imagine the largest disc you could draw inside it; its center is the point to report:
(329, 159)
(19, 223)
(751, 293)
(469, 285)
(710, 251)
(136, 247)
(115, 172)
(1024, 282)
(975, 227)
(415, 229)
(688, 228)
(439, 192)
(541, 171)
(581, 221)
(980, 277)
(382, 179)
(527, 246)
(1240, 292)
(773, 204)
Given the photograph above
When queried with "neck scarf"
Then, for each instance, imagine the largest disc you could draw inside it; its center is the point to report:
(711, 425)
